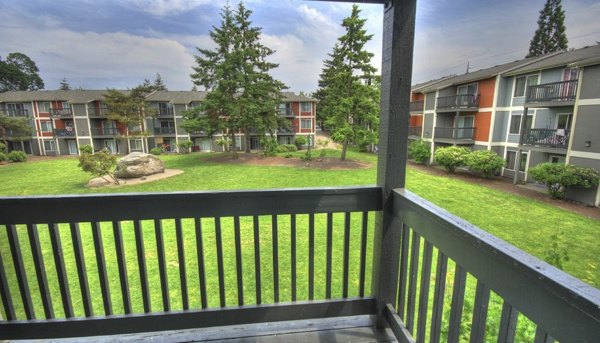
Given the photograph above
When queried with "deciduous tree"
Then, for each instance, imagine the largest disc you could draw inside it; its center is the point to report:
(19, 73)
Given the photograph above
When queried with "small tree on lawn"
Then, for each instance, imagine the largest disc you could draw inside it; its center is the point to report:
(451, 157)
(558, 177)
(101, 164)
(485, 162)
(419, 150)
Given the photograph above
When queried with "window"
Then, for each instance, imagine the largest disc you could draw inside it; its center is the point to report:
(521, 84)
(65, 105)
(306, 107)
(511, 157)
(515, 123)
(46, 126)
(306, 124)
(50, 145)
(467, 89)
(557, 159)
(136, 144)
(43, 107)
(285, 109)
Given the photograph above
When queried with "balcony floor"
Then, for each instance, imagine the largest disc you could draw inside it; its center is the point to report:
(340, 329)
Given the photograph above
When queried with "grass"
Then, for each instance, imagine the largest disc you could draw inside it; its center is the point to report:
(521, 221)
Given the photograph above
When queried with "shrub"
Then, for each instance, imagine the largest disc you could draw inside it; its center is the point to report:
(300, 141)
(269, 146)
(2, 147)
(86, 149)
(451, 157)
(485, 162)
(557, 177)
(307, 156)
(3, 156)
(185, 147)
(288, 155)
(419, 150)
(17, 156)
(101, 164)
(323, 144)
(156, 151)
(290, 147)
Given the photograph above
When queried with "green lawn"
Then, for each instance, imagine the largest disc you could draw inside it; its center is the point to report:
(521, 221)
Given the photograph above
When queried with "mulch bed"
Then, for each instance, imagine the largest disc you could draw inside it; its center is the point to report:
(326, 163)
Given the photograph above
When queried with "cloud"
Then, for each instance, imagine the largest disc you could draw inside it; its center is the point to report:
(163, 8)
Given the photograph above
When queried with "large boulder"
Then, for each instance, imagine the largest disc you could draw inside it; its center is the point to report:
(138, 164)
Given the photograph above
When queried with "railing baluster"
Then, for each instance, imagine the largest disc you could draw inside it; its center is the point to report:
(542, 337)
(424, 296)
(257, 260)
(438, 297)
(101, 263)
(118, 233)
(61, 271)
(162, 265)
(81, 270)
(219, 241)
(480, 311)
(293, 252)
(181, 259)
(329, 255)
(311, 256)
(346, 254)
(201, 269)
(456, 308)
(508, 323)
(9, 308)
(238, 260)
(363, 253)
(40, 270)
(17, 257)
(275, 259)
(412, 287)
(403, 274)
(141, 257)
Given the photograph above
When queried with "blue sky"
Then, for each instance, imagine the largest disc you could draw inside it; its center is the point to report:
(118, 43)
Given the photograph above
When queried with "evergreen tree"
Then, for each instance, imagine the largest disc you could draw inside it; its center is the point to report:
(242, 95)
(349, 91)
(159, 85)
(64, 85)
(18, 128)
(19, 73)
(550, 35)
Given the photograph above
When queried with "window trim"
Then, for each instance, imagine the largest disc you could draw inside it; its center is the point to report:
(302, 121)
(46, 122)
(50, 142)
(526, 84)
(309, 107)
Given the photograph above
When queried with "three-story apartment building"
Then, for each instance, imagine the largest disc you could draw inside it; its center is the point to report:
(62, 121)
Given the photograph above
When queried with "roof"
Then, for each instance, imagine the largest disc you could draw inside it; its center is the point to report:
(416, 88)
(584, 56)
(177, 97)
(291, 96)
(72, 96)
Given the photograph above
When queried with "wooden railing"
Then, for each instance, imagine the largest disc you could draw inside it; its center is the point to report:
(61, 112)
(105, 131)
(415, 131)
(14, 112)
(164, 112)
(455, 132)
(97, 111)
(416, 106)
(548, 138)
(64, 132)
(554, 91)
(470, 101)
(164, 130)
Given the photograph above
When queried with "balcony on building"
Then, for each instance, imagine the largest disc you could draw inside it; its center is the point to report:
(61, 112)
(164, 112)
(414, 132)
(290, 130)
(14, 112)
(551, 140)
(105, 131)
(459, 102)
(97, 111)
(551, 94)
(164, 131)
(65, 133)
(416, 106)
(286, 112)
(454, 135)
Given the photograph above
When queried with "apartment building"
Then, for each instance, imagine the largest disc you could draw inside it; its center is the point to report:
(62, 121)
(535, 110)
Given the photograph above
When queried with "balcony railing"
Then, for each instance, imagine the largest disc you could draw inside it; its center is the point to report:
(288, 112)
(164, 112)
(61, 112)
(14, 112)
(105, 131)
(278, 255)
(550, 92)
(416, 106)
(287, 130)
(547, 138)
(164, 130)
(97, 111)
(415, 131)
(64, 132)
(460, 101)
(455, 133)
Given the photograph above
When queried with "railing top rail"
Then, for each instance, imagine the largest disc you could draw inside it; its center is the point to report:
(141, 206)
(553, 83)
(560, 304)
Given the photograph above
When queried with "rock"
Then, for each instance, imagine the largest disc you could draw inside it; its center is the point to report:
(138, 164)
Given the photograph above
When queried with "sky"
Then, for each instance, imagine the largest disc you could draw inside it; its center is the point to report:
(119, 43)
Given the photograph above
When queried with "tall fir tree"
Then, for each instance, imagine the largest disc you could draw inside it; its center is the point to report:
(550, 35)
(64, 85)
(348, 88)
(159, 84)
(242, 94)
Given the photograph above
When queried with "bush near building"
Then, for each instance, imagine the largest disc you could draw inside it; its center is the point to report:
(17, 156)
(419, 151)
(485, 162)
(558, 177)
(451, 157)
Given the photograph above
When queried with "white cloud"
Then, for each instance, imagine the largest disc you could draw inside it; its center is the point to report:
(162, 8)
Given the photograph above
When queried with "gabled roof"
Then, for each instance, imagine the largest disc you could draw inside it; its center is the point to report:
(418, 86)
(587, 56)
(177, 97)
(291, 96)
(72, 96)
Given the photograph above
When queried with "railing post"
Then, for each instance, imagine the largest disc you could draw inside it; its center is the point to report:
(398, 40)
(520, 150)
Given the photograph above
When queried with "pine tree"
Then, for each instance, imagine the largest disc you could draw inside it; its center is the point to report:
(348, 90)
(159, 85)
(64, 85)
(550, 35)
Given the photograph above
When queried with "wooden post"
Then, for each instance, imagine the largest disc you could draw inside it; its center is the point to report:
(398, 39)
(520, 150)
